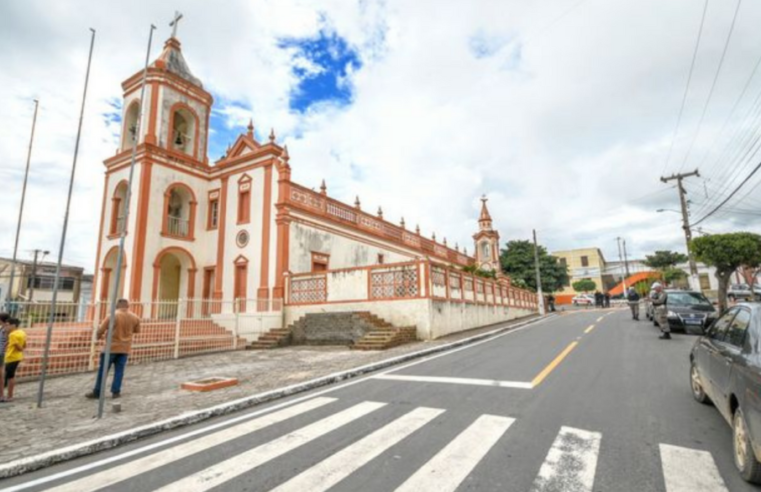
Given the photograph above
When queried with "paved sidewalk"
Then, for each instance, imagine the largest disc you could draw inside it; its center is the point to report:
(151, 392)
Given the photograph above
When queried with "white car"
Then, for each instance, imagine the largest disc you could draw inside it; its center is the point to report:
(742, 292)
(583, 300)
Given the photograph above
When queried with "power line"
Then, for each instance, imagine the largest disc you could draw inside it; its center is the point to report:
(713, 86)
(687, 87)
(730, 195)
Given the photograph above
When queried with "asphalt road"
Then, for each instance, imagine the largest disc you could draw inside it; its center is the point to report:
(590, 400)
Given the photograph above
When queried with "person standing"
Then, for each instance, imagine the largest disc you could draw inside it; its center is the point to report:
(598, 299)
(14, 354)
(551, 303)
(606, 297)
(660, 312)
(126, 324)
(4, 318)
(633, 297)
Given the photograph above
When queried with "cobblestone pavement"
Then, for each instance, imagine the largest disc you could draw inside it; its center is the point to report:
(151, 392)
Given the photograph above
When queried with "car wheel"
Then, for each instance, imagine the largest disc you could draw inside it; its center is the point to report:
(697, 386)
(745, 459)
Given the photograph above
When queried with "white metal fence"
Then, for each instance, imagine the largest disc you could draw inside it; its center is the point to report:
(168, 330)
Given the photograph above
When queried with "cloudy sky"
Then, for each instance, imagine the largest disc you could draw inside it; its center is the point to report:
(564, 112)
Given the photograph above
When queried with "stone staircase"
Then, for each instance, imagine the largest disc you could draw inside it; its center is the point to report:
(358, 330)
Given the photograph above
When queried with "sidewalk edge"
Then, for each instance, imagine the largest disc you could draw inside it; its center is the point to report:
(33, 463)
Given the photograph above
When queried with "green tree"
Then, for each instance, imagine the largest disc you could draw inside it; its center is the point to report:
(584, 285)
(479, 272)
(727, 253)
(663, 260)
(517, 260)
(671, 275)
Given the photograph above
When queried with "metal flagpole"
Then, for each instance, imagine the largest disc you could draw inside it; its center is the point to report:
(105, 361)
(21, 209)
(51, 316)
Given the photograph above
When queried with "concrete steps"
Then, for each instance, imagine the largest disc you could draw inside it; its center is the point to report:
(360, 330)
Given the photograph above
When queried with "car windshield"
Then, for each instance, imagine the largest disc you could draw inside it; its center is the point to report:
(687, 299)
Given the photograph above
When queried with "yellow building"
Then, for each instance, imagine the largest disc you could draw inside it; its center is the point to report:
(584, 263)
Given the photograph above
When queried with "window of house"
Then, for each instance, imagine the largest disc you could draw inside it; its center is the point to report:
(320, 262)
(705, 281)
(182, 133)
(179, 212)
(244, 199)
(244, 206)
(381, 258)
(212, 220)
(46, 283)
(585, 261)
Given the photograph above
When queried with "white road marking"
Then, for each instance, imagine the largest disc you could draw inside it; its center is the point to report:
(467, 381)
(571, 462)
(329, 472)
(130, 469)
(690, 470)
(238, 465)
(490, 337)
(445, 471)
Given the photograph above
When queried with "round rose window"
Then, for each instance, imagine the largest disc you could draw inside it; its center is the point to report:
(241, 239)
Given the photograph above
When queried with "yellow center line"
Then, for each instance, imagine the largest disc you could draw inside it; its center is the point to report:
(552, 365)
(590, 328)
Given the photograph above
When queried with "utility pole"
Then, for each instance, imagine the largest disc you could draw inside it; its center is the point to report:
(685, 220)
(626, 261)
(34, 272)
(538, 277)
(9, 295)
(621, 260)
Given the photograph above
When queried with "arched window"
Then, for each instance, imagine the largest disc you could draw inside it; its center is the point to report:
(179, 212)
(118, 210)
(129, 132)
(183, 131)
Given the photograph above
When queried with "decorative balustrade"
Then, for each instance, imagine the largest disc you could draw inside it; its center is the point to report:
(404, 281)
(177, 226)
(316, 203)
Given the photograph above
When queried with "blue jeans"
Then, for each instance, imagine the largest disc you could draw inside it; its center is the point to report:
(119, 361)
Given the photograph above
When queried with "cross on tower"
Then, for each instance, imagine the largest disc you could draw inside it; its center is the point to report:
(175, 21)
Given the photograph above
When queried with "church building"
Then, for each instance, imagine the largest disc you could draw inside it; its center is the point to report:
(207, 239)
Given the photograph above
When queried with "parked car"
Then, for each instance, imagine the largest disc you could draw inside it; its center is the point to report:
(689, 311)
(583, 300)
(725, 368)
(742, 292)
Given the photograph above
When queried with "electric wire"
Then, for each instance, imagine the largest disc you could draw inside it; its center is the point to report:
(713, 86)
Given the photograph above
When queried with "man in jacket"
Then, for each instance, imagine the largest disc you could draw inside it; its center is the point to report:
(126, 324)
(633, 299)
(660, 300)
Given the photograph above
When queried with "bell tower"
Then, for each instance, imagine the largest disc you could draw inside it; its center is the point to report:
(486, 241)
(176, 111)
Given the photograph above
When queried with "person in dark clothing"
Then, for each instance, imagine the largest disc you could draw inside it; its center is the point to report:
(551, 303)
(606, 298)
(598, 299)
(633, 298)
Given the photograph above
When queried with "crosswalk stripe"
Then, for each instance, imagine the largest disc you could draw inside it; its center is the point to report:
(690, 470)
(467, 381)
(152, 461)
(329, 472)
(445, 471)
(238, 465)
(570, 463)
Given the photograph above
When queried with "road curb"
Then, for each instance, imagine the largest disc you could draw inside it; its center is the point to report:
(32, 463)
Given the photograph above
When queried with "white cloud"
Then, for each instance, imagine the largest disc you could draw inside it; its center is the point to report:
(565, 122)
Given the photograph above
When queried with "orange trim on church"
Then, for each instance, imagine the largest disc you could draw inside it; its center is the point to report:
(138, 245)
(264, 270)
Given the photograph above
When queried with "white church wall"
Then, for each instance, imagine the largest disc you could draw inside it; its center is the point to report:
(250, 325)
(346, 248)
(452, 317)
(347, 285)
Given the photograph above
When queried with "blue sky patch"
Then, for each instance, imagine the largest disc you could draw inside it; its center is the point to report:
(323, 64)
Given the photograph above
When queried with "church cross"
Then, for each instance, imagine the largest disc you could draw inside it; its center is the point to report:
(175, 21)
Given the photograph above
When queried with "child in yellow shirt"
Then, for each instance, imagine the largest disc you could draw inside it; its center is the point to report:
(14, 354)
